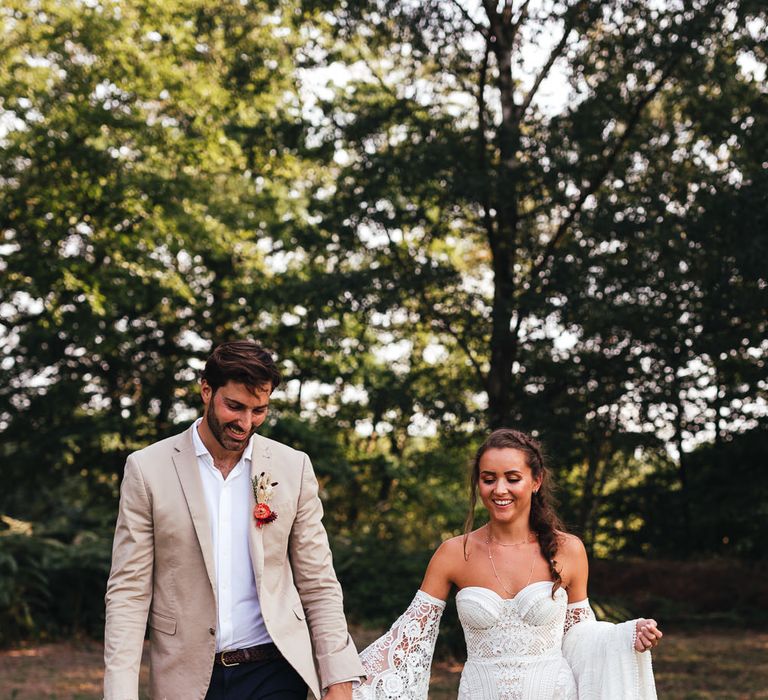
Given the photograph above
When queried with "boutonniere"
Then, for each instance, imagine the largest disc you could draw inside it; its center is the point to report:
(262, 494)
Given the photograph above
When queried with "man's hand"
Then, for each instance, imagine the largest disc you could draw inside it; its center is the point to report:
(339, 691)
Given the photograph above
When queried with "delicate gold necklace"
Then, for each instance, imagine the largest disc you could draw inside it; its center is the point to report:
(531, 538)
(496, 573)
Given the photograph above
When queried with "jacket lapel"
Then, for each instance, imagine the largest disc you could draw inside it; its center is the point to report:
(260, 462)
(185, 461)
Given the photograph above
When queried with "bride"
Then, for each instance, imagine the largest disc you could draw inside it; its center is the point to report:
(522, 602)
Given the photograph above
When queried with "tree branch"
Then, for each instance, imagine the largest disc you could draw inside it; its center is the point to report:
(521, 16)
(483, 147)
(496, 28)
(439, 317)
(506, 14)
(608, 162)
(478, 27)
(460, 341)
(556, 52)
(575, 209)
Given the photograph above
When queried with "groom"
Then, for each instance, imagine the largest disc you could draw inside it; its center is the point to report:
(219, 544)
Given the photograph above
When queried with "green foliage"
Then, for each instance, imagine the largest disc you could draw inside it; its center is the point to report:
(24, 588)
(729, 492)
(139, 173)
(429, 246)
(77, 575)
(379, 579)
(726, 503)
(586, 267)
(48, 588)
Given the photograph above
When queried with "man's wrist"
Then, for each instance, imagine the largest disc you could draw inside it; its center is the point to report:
(342, 689)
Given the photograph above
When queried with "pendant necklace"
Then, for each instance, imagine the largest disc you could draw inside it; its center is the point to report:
(493, 564)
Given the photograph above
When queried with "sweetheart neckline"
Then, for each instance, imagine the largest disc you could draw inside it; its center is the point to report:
(503, 600)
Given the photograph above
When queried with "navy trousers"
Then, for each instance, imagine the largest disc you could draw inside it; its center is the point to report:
(268, 680)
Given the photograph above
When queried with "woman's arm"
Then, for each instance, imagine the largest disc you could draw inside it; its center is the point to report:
(573, 566)
(440, 573)
(575, 572)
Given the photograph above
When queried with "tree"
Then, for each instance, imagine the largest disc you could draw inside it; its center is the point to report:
(514, 178)
(450, 149)
(148, 152)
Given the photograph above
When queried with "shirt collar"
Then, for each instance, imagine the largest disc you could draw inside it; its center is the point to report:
(202, 451)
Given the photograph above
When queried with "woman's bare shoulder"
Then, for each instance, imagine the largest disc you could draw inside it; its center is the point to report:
(444, 567)
(569, 543)
(570, 550)
(455, 551)
(451, 548)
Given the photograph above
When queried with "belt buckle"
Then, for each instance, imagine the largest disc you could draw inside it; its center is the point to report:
(224, 659)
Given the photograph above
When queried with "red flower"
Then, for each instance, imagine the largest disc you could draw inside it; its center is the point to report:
(261, 511)
(263, 514)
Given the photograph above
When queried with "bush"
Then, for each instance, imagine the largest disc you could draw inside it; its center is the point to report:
(380, 579)
(700, 591)
(49, 588)
(24, 593)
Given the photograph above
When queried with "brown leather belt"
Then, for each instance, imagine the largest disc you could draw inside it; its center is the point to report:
(235, 657)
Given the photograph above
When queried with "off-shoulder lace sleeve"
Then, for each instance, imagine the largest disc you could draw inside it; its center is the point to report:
(397, 664)
(578, 612)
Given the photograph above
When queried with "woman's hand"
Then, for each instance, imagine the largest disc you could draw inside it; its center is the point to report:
(647, 635)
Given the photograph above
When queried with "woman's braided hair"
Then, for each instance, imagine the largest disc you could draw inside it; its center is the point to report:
(544, 521)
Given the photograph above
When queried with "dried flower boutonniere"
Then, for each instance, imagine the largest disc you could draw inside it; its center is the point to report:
(262, 494)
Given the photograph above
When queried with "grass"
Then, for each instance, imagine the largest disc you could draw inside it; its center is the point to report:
(700, 664)
(713, 664)
(62, 671)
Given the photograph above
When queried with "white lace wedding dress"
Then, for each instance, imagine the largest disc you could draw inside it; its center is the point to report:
(534, 646)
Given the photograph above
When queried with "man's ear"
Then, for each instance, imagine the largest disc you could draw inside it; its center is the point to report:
(206, 392)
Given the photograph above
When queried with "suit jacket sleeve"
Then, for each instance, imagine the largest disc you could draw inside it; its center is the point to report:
(129, 589)
(319, 589)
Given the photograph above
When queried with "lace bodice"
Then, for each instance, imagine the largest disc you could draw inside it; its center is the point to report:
(513, 645)
(530, 624)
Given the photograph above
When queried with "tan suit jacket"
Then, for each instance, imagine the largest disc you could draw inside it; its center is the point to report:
(163, 571)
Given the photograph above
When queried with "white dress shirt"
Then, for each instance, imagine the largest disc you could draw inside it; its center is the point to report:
(240, 623)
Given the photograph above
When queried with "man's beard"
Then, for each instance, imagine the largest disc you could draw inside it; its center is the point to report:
(217, 430)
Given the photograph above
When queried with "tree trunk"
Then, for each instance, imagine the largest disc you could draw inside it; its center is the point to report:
(682, 466)
(503, 244)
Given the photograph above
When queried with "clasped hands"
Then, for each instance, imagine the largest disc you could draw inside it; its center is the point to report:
(647, 635)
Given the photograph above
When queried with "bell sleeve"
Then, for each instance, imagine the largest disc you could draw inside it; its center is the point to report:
(397, 665)
(603, 658)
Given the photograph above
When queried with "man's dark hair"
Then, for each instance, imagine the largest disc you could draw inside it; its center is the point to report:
(242, 361)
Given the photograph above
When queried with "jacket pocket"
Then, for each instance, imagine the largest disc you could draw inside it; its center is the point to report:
(162, 623)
